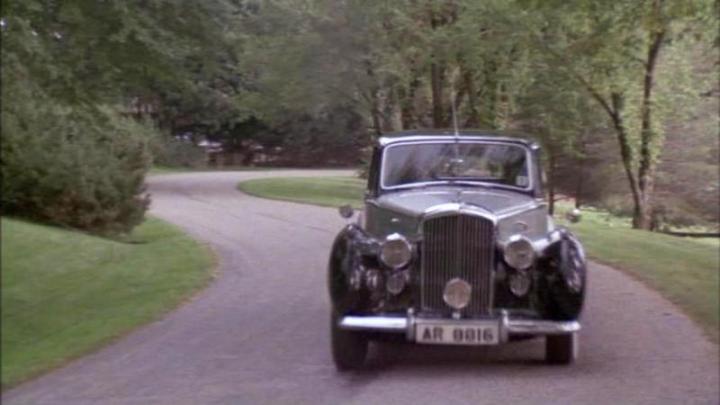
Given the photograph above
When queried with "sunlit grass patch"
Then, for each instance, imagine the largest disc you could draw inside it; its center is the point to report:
(65, 293)
(325, 191)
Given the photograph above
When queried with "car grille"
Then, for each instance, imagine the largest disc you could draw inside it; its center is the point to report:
(457, 246)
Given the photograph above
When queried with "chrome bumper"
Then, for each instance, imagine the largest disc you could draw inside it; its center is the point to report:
(508, 325)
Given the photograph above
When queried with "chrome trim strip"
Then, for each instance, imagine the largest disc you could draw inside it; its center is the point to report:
(508, 326)
(540, 245)
(385, 140)
(412, 321)
(517, 210)
(504, 319)
(539, 327)
(446, 209)
(375, 323)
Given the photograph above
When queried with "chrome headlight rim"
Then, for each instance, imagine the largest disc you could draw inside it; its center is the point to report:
(398, 240)
(513, 243)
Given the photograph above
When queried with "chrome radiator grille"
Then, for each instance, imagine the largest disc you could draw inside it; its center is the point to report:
(457, 246)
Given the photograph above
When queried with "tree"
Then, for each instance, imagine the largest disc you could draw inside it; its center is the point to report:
(615, 52)
(562, 118)
(69, 70)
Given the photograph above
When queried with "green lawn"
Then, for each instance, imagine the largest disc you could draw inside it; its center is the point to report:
(65, 293)
(684, 270)
(169, 170)
(325, 191)
(156, 170)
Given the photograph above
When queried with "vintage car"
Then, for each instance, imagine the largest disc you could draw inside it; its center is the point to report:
(454, 247)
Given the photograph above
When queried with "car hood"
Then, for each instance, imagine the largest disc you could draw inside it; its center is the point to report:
(416, 202)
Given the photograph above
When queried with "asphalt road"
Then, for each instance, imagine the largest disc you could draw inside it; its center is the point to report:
(259, 333)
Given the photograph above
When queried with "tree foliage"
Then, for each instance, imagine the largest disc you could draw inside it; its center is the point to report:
(70, 71)
(630, 59)
(601, 85)
(565, 71)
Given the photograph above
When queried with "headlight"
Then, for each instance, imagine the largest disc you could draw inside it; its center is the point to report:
(519, 252)
(396, 251)
(396, 282)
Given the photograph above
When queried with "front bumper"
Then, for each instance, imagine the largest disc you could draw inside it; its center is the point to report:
(508, 326)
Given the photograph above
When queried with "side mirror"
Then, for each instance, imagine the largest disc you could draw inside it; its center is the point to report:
(573, 215)
(346, 211)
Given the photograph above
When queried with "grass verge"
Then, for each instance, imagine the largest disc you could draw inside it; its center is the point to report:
(157, 170)
(65, 293)
(684, 270)
(325, 191)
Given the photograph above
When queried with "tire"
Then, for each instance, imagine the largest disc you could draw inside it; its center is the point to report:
(562, 349)
(349, 348)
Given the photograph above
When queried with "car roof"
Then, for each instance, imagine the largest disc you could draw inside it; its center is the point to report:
(449, 134)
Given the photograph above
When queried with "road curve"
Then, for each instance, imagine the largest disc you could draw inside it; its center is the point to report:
(259, 333)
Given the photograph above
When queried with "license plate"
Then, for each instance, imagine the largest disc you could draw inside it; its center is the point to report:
(457, 333)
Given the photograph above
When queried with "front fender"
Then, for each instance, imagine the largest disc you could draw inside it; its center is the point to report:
(564, 277)
(346, 263)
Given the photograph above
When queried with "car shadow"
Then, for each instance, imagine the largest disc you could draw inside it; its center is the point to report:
(386, 355)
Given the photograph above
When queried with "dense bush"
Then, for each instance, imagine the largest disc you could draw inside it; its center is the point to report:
(81, 167)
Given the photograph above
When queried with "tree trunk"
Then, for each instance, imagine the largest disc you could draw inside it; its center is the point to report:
(473, 120)
(390, 114)
(580, 184)
(551, 183)
(376, 115)
(490, 91)
(578, 192)
(453, 110)
(374, 100)
(437, 77)
(649, 140)
(407, 101)
(616, 114)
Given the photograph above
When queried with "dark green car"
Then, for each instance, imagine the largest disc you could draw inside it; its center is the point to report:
(454, 247)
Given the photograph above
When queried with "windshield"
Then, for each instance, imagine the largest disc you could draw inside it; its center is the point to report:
(442, 162)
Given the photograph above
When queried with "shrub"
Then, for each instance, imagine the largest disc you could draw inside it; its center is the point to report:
(79, 166)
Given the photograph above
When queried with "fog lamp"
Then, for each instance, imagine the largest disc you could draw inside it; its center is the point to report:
(373, 279)
(355, 279)
(457, 293)
(519, 283)
(395, 283)
(519, 252)
(396, 251)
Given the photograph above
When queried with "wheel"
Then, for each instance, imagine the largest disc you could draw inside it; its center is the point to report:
(349, 348)
(561, 349)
